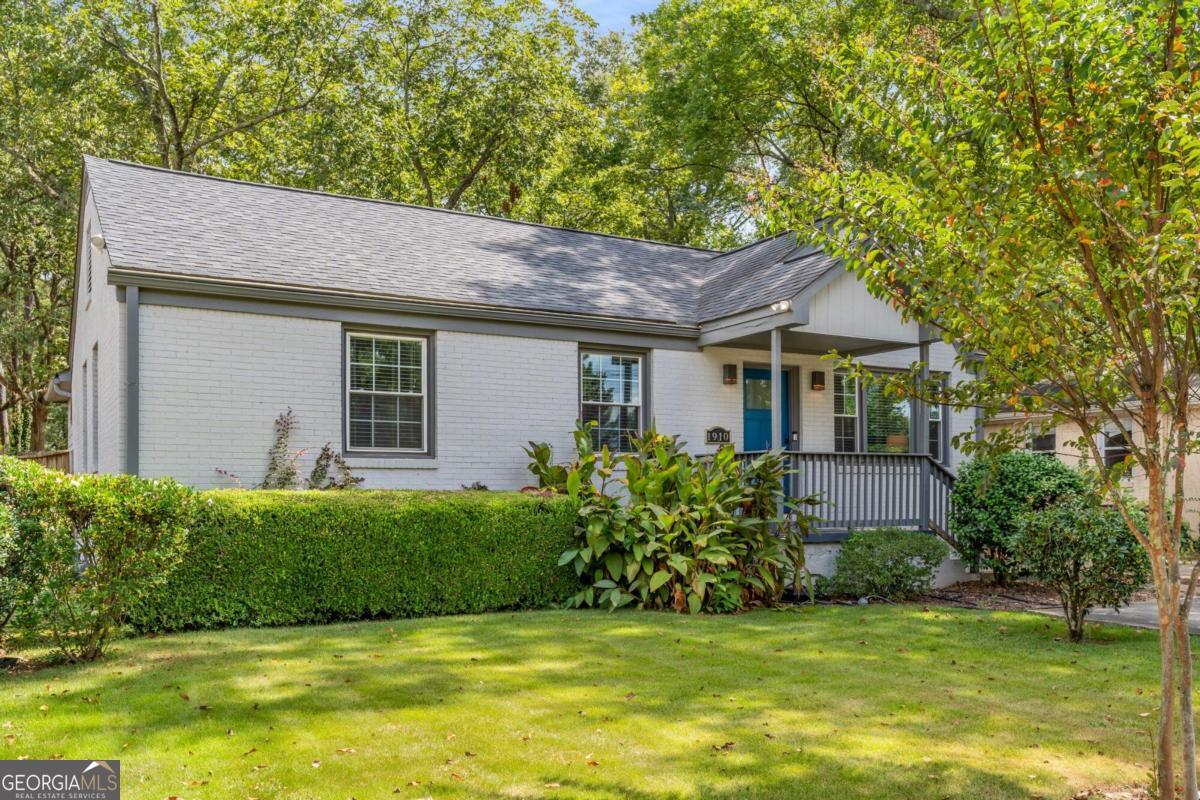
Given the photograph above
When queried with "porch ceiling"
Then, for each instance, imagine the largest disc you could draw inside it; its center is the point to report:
(816, 343)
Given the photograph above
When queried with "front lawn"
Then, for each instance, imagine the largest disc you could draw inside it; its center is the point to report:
(826, 703)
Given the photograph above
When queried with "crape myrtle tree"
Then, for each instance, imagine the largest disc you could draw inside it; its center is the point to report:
(1040, 212)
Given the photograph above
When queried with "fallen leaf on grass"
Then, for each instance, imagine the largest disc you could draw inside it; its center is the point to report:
(316, 763)
(248, 752)
(726, 746)
(346, 751)
(593, 763)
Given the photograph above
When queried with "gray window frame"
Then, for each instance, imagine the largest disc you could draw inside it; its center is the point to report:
(428, 377)
(643, 380)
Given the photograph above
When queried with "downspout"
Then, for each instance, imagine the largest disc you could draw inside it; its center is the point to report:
(132, 390)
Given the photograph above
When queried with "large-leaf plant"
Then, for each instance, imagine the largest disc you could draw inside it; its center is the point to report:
(661, 528)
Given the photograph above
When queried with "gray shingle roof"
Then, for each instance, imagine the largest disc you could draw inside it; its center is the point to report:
(760, 274)
(186, 224)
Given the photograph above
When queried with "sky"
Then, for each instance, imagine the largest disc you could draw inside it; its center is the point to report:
(614, 14)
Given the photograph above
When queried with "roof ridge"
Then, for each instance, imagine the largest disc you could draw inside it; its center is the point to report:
(414, 206)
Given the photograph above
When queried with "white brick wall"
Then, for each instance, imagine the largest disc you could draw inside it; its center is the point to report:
(212, 383)
(99, 324)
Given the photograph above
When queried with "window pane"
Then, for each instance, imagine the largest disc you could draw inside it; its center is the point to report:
(360, 406)
(888, 422)
(408, 409)
(386, 351)
(845, 395)
(385, 408)
(387, 379)
(410, 380)
(1046, 443)
(758, 394)
(360, 377)
(360, 350)
(387, 435)
(360, 434)
(935, 439)
(845, 435)
(590, 390)
(410, 354)
(1116, 448)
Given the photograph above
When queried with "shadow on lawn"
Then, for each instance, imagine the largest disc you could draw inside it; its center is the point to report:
(876, 707)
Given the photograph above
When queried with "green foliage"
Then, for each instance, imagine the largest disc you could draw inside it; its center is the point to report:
(893, 563)
(1085, 552)
(19, 567)
(991, 493)
(666, 529)
(283, 558)
(96, 545)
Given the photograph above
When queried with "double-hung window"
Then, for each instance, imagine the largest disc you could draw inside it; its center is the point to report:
(935, 431)
(610, 393)
(869, 419)
(1116, 448)
(845, 413)
(1044, 444)
(386, 393)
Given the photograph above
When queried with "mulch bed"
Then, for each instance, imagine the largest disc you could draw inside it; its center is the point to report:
(1014, 596)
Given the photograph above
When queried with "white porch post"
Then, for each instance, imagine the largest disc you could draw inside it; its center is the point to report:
(776, 388)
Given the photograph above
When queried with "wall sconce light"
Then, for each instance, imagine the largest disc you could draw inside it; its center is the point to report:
(729, 374)
(818, 380)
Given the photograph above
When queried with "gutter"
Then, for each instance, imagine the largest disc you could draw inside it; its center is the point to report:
(150, 279)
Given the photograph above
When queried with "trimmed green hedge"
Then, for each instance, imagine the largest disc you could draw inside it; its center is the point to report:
(279, 558)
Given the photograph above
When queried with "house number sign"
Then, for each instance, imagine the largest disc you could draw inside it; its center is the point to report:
(717, 436)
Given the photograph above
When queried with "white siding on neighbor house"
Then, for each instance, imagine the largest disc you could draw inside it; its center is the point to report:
(99, 343)
(210, 396)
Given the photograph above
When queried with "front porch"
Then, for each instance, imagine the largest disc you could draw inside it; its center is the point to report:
(870, 460)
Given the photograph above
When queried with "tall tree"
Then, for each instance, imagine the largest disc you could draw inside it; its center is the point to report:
(740, 91)
(44, 120)
(203, 78)
(1041, 211)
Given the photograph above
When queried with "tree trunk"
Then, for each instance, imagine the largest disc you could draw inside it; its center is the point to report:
(37, 427)
(1183, 644)
(1164, 560)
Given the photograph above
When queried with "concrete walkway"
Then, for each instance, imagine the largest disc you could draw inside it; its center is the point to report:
(1142, 614)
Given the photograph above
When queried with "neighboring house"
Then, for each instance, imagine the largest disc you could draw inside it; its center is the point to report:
(430, 346)
(1063, 441)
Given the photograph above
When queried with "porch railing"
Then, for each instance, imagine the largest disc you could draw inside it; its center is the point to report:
(871, 490)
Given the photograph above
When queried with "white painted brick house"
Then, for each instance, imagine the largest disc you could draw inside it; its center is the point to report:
(430, 346)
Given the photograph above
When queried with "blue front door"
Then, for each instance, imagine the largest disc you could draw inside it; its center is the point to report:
(756, 410)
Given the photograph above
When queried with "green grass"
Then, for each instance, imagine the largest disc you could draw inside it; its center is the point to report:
(824, 703)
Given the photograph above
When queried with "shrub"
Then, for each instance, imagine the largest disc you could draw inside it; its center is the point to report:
(95, 545)
(886, 562)
(18, 568)
(289, 557)
(991, 493)
(665, 529)
(1083, 551)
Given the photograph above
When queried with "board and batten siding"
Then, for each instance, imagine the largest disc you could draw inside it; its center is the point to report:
(99, 343)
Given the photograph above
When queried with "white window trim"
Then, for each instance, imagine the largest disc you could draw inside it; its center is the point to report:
(641, 394)
(1102, 442)
(424, 395)
(854, 393)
